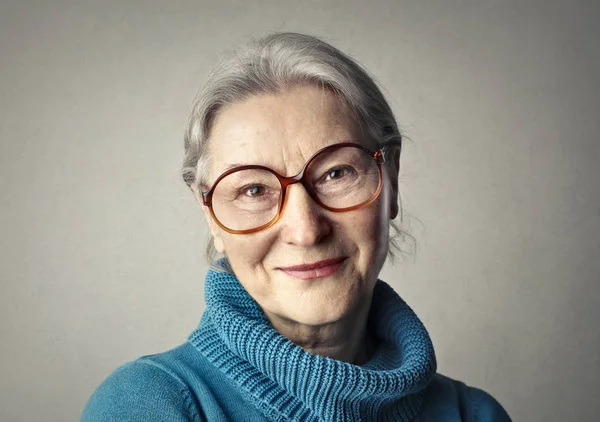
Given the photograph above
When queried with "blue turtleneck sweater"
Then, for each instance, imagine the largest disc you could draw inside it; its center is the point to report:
(236, 367)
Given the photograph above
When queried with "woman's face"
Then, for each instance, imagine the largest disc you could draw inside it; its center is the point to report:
(282, 132)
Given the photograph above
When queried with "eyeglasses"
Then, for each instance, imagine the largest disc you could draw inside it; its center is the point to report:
(341, 177)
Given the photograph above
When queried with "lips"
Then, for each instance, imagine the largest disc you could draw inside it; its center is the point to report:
(315, 270)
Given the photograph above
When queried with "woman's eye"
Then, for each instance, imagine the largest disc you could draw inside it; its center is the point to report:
(254, 190)
(336, 173)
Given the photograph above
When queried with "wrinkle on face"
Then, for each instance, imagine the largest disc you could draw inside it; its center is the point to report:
(282, 131)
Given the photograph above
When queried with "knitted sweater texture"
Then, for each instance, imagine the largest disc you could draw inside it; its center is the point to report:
(237, 367)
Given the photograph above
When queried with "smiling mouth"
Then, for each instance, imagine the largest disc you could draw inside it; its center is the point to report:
(315, 270)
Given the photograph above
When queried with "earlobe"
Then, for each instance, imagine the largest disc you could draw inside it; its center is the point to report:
(214, 231)
(219, 244)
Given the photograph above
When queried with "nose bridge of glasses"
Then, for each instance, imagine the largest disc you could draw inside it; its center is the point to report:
(300, 178)
(286, 181)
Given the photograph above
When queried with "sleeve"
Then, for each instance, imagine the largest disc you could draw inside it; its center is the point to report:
(141, 391)
(485, 408)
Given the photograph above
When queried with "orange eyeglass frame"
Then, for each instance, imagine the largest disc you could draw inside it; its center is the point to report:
(378, 156)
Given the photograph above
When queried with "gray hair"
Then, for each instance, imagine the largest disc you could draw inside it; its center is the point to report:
(274, 64)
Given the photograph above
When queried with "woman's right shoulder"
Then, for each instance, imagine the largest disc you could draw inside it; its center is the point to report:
(146, 389)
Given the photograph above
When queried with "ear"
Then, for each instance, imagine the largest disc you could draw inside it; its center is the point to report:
(394, 172)
(215, 230)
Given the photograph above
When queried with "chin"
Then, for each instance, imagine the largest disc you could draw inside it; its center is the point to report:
(317, 313)
(315, 320)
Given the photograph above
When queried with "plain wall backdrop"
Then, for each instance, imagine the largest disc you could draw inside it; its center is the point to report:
(102, 244)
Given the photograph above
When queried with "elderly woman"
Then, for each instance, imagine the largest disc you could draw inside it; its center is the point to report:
(293, 155)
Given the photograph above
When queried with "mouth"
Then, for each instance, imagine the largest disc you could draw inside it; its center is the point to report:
(315, 270)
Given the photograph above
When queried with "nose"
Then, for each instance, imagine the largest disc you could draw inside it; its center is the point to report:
(303, 222)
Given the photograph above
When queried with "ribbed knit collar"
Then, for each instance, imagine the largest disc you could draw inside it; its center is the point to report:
(289, 384)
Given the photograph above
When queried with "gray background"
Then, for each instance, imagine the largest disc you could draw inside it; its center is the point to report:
(101, 251)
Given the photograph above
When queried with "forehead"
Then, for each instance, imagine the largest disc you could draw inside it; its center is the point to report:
(280, 131)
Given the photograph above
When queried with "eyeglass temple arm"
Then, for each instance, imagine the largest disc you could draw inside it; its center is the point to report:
(388, 147)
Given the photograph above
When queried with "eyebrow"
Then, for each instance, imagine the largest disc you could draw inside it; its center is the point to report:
(232, 166)
(342, 141)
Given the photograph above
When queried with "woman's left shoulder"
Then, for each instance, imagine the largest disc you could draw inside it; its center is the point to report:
(449, 399)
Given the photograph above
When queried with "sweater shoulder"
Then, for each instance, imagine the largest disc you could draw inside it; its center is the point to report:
(450, 399)
(484, 407)
(145, 389)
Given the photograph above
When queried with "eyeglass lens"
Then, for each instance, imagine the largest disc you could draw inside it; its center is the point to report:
(342, 178)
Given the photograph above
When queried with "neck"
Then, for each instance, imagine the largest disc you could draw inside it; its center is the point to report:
(289, 383)
(346, 340)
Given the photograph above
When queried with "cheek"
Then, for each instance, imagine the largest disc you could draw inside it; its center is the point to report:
(246, 255)
(245, 251)
(369, 231)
